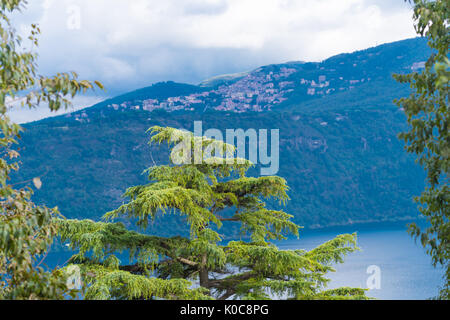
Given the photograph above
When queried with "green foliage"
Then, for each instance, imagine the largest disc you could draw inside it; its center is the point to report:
(26, 230)
(428, 114)
(105, 278)
(212, 191)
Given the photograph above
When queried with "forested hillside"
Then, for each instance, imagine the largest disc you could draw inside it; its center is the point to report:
(339, 149)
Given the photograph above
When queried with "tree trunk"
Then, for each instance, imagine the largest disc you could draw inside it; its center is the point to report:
(203, 272)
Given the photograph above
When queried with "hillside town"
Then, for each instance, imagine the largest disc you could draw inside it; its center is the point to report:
(260, 90)
(257, 91)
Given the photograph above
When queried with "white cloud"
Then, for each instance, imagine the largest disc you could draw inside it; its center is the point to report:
(131, 44)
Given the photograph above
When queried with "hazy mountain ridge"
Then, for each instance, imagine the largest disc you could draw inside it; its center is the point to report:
(282, 86)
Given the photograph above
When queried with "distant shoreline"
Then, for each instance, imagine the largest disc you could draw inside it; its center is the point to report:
(394, 224)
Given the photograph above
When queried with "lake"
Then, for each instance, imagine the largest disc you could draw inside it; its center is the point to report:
(405, 269)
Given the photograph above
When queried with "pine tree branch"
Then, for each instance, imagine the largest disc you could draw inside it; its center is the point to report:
(188, 262)
(226, 283)
(227, 295)
(234, 219)
(134, 268)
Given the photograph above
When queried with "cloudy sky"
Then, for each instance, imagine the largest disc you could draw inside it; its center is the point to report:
(132, 44)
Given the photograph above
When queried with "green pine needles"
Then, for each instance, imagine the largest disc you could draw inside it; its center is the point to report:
(208, 190)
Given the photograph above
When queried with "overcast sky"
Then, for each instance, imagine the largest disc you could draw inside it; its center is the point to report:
(132, 44)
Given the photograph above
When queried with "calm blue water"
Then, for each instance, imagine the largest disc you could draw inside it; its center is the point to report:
(405, 269)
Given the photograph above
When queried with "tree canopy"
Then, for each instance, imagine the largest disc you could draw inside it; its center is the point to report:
(26, 230)
(207, 193)
(428, 115)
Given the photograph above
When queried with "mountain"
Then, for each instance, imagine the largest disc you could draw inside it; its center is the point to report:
(339, 149)
(289, 85)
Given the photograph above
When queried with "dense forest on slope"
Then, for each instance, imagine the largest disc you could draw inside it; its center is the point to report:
(353, 169)
(339, 151)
